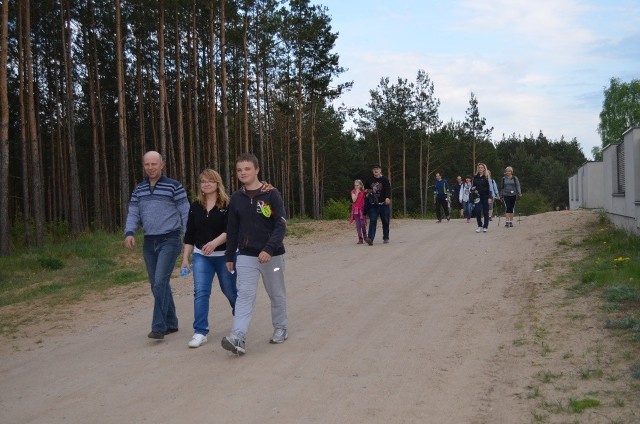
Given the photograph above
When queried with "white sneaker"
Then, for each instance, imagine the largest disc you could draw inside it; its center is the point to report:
(279, 336)
(478, 229)
(484, 230)
(198, 340)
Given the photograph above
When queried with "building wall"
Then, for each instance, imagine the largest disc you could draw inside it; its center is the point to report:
(623, 205)
(586, 187)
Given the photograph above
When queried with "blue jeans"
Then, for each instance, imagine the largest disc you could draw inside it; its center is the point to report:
(485, 207)
(383, 212)
(204, 269)
(468, 209)
(160, 254)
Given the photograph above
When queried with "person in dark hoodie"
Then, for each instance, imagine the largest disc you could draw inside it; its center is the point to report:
(378, 189)
(256, 228)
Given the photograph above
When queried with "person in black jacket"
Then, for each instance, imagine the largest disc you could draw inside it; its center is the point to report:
(206, 238)
(255, 229)
(378, 189)
(481, 186)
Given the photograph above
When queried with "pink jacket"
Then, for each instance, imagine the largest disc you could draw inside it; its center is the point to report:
(357, 208)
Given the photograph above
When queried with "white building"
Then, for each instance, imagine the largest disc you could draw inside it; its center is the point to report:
(613, 184)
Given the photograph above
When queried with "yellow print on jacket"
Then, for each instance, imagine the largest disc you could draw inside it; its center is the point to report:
(263, 208)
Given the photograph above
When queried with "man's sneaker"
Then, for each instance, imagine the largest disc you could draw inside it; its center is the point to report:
(448, 217)
(197, 340)
(369, 241)
(484, 230)
(478, 229)
(233, 345)
(385, 241)
(156, 335)
(279, 336)
(171, 331)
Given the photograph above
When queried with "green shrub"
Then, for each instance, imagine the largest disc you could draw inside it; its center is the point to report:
(621, 292)
(50, 263)
(579, 405)
(532, 203)
(337, 209)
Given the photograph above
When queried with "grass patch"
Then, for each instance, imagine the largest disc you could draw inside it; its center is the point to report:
(578, 406)
(548, 377)
(64, 272)
(624, 323)
(70, 268)
(635, 370)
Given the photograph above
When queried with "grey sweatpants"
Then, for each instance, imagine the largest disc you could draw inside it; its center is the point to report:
(249, 271)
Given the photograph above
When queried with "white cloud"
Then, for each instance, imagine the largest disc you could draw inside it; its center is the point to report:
(533, 65)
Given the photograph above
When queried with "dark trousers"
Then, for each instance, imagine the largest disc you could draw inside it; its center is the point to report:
(383, 212)
(442, 204)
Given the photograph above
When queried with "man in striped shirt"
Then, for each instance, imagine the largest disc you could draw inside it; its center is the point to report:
(161, 207)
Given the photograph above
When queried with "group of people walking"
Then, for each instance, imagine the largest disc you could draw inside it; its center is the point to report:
(238, 238)
(475, 196)
(478, 194)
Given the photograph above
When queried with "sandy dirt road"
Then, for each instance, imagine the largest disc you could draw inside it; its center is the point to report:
(407, 332)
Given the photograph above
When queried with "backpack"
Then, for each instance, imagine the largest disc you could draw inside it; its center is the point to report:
(514, 179)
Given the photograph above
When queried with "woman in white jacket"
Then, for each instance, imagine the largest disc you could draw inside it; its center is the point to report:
(464, 198)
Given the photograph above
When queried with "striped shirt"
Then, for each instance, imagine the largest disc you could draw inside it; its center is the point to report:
(159, 210)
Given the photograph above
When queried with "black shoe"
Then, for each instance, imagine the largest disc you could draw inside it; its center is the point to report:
(369, 241)
(170, 330)
(156, 335)
(448, 217)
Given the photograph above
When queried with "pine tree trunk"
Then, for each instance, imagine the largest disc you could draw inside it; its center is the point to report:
(97, 217)
(196, 82)
(125, 190)
(75, 206)
(181, 171)
(223, 88)
(4, 132)
(26, 208)
(214, 149)
(36, 165)
(299, 123)
(245, 80)
(162, 126)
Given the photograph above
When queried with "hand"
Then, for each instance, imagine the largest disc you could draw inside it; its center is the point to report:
(208, 248)
(387, 201)
(129, 242)
(185, 264)
(264, 257)
(490, 200)
(266, 187)
(230, 267)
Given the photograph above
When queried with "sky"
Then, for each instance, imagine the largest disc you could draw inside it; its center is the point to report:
(533, 65)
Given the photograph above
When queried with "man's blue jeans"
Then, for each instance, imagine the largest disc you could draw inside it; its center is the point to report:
(383, 212)
(160, 254)
(204, 269)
